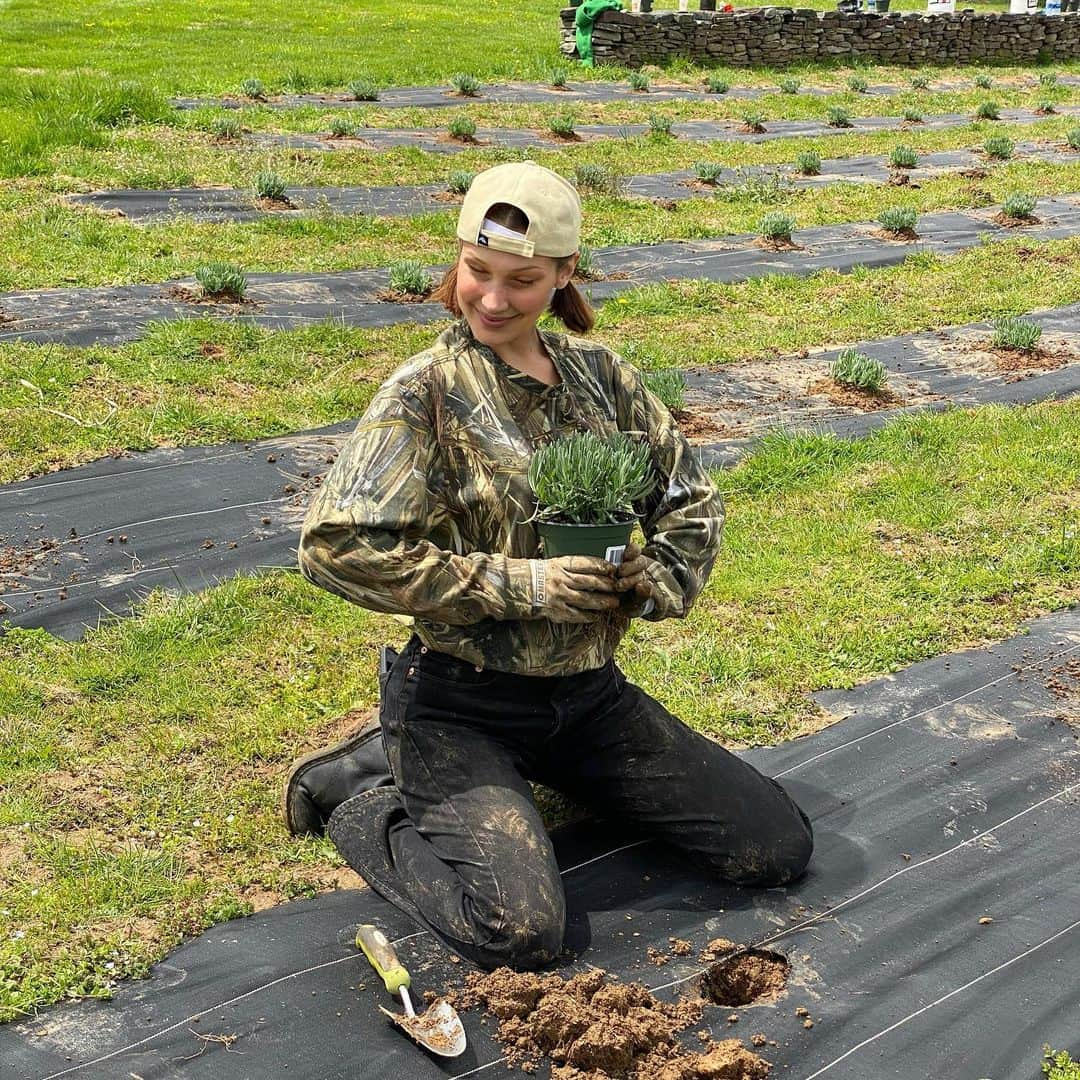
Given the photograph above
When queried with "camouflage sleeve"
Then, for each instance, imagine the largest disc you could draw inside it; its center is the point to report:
(365, 536)
(683, 517)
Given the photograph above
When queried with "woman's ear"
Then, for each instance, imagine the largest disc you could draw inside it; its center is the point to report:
(566, 270)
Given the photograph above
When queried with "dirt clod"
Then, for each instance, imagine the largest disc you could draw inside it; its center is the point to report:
(715, 949)
(592, 1029)
(679, 947)
(753, 977)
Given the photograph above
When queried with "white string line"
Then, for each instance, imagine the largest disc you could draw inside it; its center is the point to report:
(822, 915)
(125, 473)
(128, 574)
(933, 708)
(884, 881)
(120, 577)
(294, 975)
(478, 1069)
(174, 517)
(588, 862)
(943, 998)
(214, 1008)
(597, 858)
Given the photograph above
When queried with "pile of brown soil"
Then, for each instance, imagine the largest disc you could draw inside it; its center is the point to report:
(284, 203)
(851, 397)
(392, 296)
(594, 1030)
(702, 428)
(1015, 222)
(1029, 360)
(468, 140)
(777, 245)
(904, 236)
(197, 296)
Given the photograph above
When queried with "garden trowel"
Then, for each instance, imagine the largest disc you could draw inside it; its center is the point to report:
(438, 1028)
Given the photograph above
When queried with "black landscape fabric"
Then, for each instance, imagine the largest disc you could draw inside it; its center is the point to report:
(230, 204)
(81, 545)
(433, 97)
(439, 142)
(104, 315)
(937, 933)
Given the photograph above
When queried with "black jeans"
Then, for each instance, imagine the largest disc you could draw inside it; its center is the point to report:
(463, 845)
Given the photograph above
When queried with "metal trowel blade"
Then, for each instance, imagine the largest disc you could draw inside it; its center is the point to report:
(438, 1028)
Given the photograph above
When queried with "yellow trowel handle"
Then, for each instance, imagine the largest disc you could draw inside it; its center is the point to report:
(383, 959)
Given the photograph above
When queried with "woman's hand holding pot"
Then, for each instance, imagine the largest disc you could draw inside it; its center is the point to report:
(577, 589)
(630, 575)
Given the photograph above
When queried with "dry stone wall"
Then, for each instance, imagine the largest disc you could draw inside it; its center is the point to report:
(777, 36)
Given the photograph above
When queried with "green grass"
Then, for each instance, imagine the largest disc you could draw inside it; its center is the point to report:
(138, 797)
(185, 46)
(208, 382)
(40, 112)
(49, 242)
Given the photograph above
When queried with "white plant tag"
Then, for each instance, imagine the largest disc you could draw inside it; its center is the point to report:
(615, 554)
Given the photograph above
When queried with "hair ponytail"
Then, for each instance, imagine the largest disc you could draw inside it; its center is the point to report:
(573, 309)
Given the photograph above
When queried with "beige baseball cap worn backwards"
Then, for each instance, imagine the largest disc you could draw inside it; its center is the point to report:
(549, 202)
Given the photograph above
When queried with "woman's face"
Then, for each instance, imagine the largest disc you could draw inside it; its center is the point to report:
(502, 295)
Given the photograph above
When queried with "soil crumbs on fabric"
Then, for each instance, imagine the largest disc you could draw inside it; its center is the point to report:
(594, 1030)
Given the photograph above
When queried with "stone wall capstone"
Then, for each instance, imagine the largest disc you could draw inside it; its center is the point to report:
(778, 36)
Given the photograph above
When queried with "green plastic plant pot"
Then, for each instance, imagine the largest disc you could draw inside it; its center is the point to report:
(583, 539)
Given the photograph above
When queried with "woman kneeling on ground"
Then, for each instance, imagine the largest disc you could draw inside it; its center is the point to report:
(509, 676)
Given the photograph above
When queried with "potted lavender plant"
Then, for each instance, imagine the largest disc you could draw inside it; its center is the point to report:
(585, 487)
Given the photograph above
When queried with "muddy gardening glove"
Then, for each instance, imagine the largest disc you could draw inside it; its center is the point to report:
(637, 595)
(575, 588)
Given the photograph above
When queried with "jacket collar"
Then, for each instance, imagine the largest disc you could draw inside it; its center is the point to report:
(523, 386)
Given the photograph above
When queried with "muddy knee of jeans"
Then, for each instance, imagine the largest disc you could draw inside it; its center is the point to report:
(767, 865)
(530, 941)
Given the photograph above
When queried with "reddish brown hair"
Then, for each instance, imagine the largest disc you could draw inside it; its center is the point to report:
(567, 305)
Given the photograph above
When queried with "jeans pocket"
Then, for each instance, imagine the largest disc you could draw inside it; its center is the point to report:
(442, 668)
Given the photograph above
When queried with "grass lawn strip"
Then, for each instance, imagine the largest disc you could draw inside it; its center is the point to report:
(217, 204)
(209, 381)
(88, 316)
(93, 541)
(51, 243)
(166, 157)
(139, 796)
(182, 51)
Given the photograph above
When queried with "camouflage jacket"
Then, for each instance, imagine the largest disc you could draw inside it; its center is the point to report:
(424, 512)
